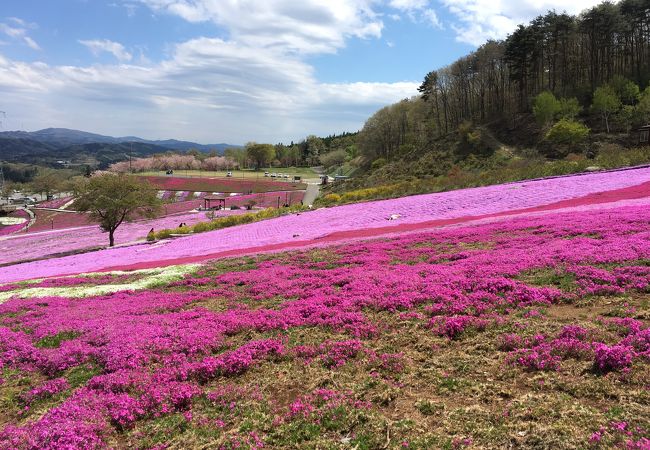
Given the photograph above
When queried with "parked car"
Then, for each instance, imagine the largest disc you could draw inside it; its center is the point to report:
(23, 201)
(285, 175)
(229, 174)
(266, 174)
(273, 175)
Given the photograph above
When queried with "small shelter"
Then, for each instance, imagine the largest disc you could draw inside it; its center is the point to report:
(209, 201)
(644, 134)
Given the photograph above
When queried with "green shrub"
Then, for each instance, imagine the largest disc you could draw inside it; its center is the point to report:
(565, 136)
(569, 108)
(377, 163)
(228, 221)
(330, 199)
(546, 107)
(163, 234)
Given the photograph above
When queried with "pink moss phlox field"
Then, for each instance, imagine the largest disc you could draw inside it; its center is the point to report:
(6, 230)
(308, 226)
(55, 203)
(155, 352)
(28, 246)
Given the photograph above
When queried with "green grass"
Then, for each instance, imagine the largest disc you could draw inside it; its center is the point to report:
(304, 172)
(55, 340)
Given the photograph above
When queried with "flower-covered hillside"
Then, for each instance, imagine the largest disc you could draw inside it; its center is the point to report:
(522, 333)
(354, 220)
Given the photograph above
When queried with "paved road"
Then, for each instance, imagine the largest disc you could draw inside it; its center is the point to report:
(311, 193)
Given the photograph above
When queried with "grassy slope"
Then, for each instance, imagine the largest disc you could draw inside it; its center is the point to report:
(440, 167)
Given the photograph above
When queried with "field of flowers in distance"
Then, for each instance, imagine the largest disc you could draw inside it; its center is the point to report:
(315, 226)
(218, 184)
(530, 333)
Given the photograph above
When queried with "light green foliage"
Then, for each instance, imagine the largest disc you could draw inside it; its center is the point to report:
(569, 108)
(545, 107)
(333, 158)
(625, 117)
(47, 181)
(112, 199)
(330, 199)
(606, 102)
(261, 154)
(471, 140)
(626, 90)
(236, 154)
(377, 163)
(315, 147)
(643, 108)
(228, 221)
(567, 133)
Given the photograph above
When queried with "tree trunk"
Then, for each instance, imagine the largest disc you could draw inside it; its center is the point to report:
(111, 238)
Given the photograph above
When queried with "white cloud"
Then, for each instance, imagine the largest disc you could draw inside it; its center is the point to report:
(408, 4)
(480, 20)
(18, 31)
(418, 11)
(20, 22)
(31, 43)
(207, 90)
(98, 46)
(431, 17)
(309, 26)
(13, 32)
(253, 85)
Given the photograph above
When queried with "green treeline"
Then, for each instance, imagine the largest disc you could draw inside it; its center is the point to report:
(570, 56)
(559, 95)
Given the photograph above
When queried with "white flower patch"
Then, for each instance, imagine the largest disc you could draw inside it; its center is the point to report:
(154, 278)
(12, 220)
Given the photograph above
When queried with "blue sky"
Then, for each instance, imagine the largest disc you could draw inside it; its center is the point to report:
(232, 70)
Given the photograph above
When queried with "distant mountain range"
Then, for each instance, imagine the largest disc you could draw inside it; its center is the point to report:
(79, 147)
(63, 137)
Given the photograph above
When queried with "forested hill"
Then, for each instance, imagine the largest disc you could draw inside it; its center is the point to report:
(567, 55)
(559, 87)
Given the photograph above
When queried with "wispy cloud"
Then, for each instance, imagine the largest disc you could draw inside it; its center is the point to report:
(31, 43)
(17, 29)
(98, 46)
(418, 11)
